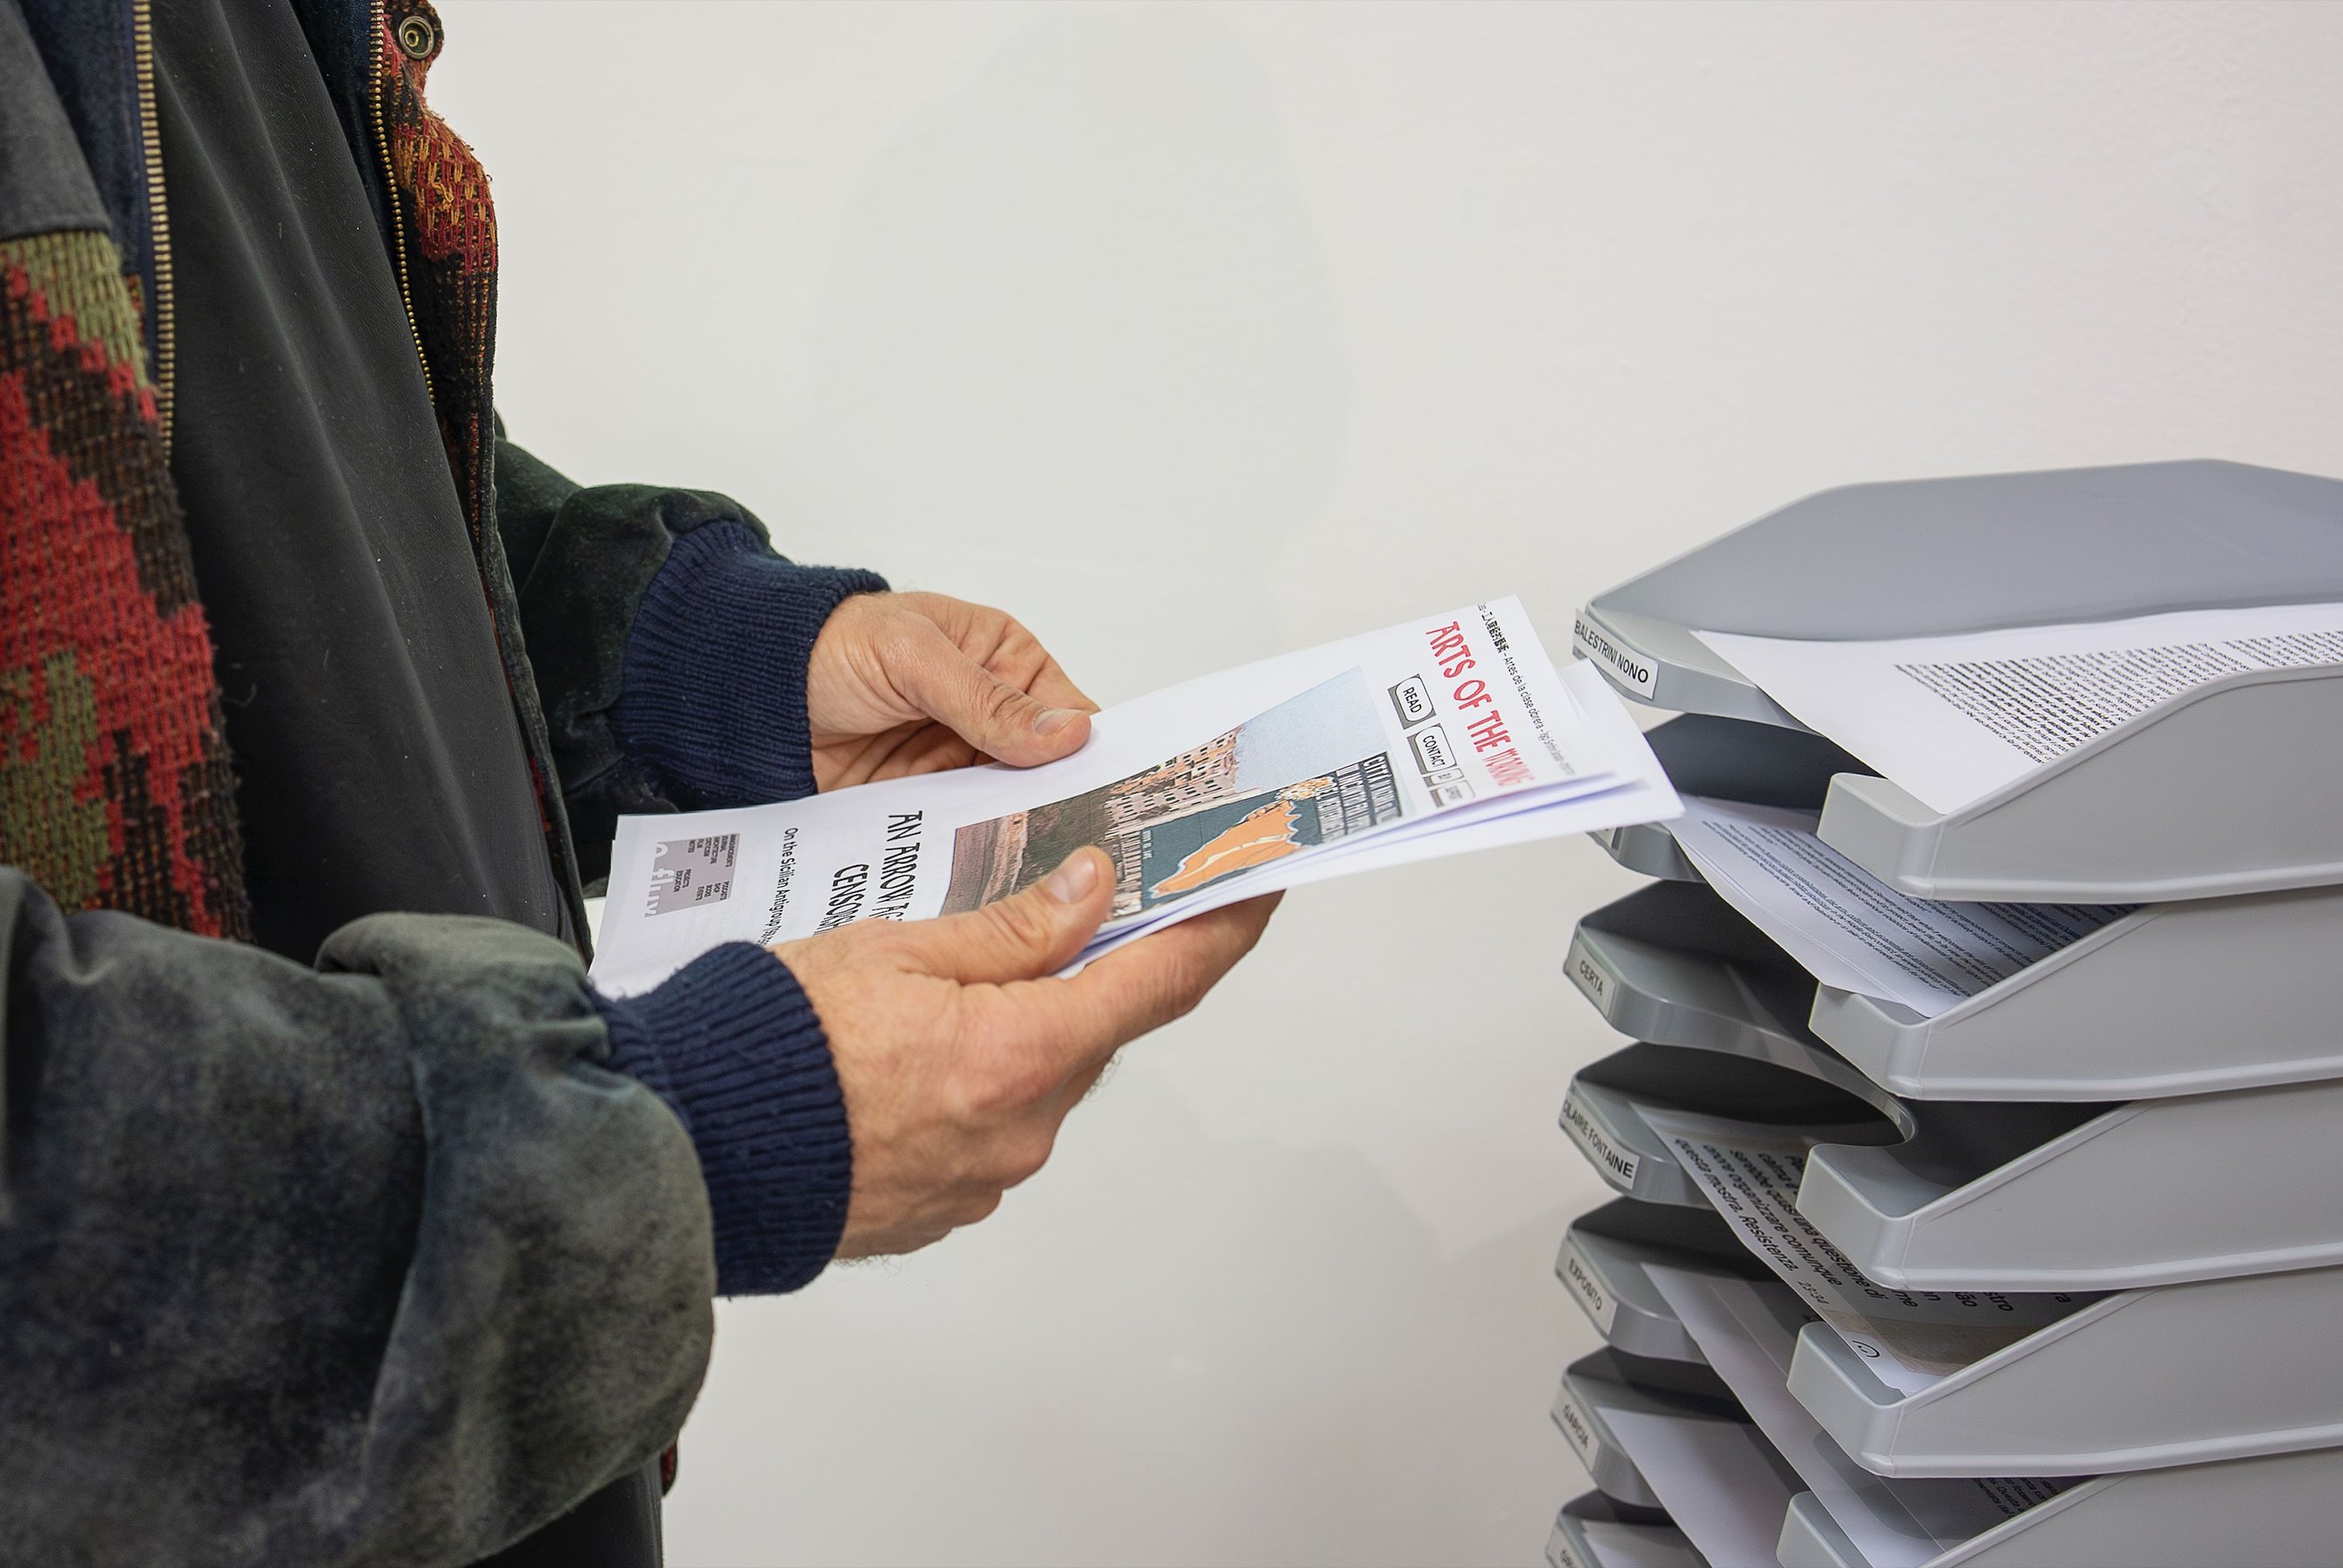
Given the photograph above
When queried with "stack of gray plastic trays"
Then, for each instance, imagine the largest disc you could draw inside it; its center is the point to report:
(2152, 1115)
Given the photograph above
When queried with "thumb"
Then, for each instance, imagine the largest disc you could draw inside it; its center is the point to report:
(1025, 936)
(989, 713)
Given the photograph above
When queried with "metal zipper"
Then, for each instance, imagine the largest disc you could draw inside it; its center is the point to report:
(390, 186)
(159, 216)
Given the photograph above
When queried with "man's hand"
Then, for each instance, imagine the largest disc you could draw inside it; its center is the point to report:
(904, 683)
(958, 1055)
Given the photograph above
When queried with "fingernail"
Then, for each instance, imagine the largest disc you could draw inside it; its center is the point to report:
(1072, 883)
(1053, 720)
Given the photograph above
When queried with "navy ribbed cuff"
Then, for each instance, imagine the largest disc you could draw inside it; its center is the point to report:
(712, 702)
(730, 1041)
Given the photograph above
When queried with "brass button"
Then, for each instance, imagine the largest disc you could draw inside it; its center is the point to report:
(416, 36)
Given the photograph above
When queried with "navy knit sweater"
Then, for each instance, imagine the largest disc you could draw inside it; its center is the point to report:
(730, 1039)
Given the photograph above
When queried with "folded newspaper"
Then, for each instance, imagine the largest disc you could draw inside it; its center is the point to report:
(1444, 735)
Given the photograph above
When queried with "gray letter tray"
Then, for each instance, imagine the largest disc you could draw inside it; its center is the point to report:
(2198, 799)
(2173, 998)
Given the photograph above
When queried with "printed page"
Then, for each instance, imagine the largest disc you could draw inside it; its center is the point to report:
(1218, 788)
(1642, 795)
(1721, 1484)
(1635, 802)
(1955, 718)
(1910, 1340)
(1849, 929)
(1746, 1330)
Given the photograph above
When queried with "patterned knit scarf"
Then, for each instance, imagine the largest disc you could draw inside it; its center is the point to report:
(115, 789)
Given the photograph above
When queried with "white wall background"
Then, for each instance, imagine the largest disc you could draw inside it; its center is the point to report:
(1193, 332)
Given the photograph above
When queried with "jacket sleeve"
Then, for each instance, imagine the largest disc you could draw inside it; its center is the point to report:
(619, 586)
(377, 1262)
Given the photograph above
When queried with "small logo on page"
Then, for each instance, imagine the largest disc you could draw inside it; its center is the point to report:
(689, 872)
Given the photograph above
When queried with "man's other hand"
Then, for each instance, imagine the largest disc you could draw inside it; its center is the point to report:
(903, 683)
(959, 1054)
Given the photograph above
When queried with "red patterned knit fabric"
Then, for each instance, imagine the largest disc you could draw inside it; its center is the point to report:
(449, 237)
(115, 785)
